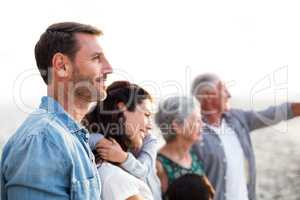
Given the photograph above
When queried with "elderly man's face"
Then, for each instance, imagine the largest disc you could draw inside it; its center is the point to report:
(224, 97)
(215, 99)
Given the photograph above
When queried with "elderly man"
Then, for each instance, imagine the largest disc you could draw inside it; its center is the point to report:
(226, 148)
(48, 157)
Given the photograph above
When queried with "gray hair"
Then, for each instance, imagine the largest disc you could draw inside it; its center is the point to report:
(203, 82)
(173, 109)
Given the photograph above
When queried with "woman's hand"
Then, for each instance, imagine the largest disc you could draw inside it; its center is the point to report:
(110, 150)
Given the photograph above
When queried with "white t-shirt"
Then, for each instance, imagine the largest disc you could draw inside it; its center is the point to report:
(117, 184)
(236, 182)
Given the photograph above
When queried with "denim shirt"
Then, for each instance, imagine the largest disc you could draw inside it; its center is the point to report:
(141, 165)
(48, 157)
(211, 152)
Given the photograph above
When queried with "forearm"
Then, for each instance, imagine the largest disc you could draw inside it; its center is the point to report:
(136, 167)
(141, 165)
(269, 116)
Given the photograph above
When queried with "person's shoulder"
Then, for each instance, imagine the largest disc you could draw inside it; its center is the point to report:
(116, 181)
(109, 170)
(32, 137)
(163, 150)
(113, 173)
(39, 125)
(238, 116)
(235, 112)
(32, 125)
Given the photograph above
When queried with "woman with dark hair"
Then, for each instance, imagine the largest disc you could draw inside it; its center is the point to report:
(191, 187)
(124, 119)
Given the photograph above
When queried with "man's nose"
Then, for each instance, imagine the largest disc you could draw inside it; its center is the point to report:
(149, 125)
(106, 67)
(228, 94)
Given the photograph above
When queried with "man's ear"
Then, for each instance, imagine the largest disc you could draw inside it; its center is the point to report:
(176, 126)
(60, 64)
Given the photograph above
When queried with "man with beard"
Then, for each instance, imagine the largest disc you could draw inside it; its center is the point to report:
(48, 157)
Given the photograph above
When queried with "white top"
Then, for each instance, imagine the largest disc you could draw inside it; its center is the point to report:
(236, 184)
(117, 184)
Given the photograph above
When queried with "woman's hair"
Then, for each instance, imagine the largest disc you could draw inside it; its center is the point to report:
(173, 109)
(108, 119)
(191, 187)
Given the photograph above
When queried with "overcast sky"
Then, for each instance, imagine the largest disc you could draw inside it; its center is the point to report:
(253, 45)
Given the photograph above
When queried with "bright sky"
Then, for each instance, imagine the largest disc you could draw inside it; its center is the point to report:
(161, 44)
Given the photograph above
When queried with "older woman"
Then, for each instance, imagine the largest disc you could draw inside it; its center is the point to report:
(179, 120)
(129, 151)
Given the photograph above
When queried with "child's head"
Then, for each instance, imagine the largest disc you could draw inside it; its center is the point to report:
(191, 187)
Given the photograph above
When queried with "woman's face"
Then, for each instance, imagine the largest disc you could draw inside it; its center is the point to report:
(191, 129)
(138, 123)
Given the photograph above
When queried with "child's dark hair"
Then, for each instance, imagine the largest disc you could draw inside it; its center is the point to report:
(191, 187)
(108, 119)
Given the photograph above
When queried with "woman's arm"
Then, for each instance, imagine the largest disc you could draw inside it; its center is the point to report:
(139, 165)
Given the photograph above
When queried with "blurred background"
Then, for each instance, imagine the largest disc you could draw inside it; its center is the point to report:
(161, 45)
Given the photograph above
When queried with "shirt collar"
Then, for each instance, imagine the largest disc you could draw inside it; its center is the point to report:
(226, 117)
(216, 129)
(52, 106)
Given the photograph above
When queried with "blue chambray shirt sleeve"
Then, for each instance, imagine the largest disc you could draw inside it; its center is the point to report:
(141, 165)
(38, 165)
(270, 116)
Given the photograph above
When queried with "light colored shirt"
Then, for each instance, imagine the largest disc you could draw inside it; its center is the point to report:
(141, 165)
(236, 185)
(242, 122)
(120, 185)
(49, 158)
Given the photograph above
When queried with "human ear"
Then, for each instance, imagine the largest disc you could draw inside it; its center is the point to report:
(60, 65)
(176, 126)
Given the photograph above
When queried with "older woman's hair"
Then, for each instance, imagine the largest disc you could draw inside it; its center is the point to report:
(203, 82)
(108, 119)
(173, 109)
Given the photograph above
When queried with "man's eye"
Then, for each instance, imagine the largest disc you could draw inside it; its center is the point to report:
(96, 57)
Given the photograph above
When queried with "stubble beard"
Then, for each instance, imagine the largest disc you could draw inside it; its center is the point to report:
(84, 88)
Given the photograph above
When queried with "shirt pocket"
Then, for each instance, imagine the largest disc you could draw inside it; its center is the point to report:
(87, 189)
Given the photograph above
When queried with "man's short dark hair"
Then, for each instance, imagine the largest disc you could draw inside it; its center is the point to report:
(59, 38)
